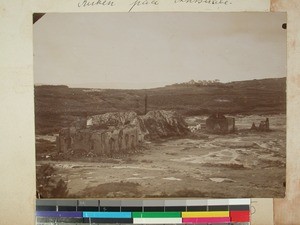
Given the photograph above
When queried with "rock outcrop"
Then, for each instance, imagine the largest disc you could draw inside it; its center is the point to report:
(163, 124)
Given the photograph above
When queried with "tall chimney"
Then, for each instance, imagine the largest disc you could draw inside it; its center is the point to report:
(146, 104)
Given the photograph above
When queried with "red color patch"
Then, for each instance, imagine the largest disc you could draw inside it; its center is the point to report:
(239, 216)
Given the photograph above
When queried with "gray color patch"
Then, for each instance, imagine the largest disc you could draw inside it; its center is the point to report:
(88, 202)
(196, 202)
(218, 202)
(153, 203)
(175, 202)
(132, 203)
(110, 203)
(46, 202)
(66, 202)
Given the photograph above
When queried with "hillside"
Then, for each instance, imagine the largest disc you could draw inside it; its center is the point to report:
(57, 106)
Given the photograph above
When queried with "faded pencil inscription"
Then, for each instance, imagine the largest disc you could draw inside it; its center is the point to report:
(87, 3)
(212, 2)
(145, 3)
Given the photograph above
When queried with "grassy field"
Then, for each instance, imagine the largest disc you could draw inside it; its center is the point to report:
(58, 106)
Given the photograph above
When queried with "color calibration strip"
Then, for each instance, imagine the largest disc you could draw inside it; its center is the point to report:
(214, 211)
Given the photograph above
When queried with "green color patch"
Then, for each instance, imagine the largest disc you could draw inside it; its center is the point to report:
(156, 214)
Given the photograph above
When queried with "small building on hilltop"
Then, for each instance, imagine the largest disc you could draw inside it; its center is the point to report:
(218, 123)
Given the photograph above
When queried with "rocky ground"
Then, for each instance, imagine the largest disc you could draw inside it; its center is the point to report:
(243, 164)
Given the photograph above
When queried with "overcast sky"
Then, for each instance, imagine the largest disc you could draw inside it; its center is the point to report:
(144, 50)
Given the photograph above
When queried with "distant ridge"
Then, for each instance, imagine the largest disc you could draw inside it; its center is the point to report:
(217, 82)
(199, 83)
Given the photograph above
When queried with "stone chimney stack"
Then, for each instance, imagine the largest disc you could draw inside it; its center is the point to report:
(146, 104)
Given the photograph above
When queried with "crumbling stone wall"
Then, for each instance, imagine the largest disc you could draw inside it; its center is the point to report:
(114, 141)
(63, 141)
(101, 142)
(264, 125)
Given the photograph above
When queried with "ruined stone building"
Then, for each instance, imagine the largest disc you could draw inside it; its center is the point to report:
(119, 132)
(218, 123)
(264, 125)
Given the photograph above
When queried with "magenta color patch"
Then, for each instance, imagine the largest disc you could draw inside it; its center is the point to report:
(207, 220)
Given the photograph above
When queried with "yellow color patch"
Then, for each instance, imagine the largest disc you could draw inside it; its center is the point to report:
(205, 214)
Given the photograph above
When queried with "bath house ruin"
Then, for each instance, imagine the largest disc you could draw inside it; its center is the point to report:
(118, 132)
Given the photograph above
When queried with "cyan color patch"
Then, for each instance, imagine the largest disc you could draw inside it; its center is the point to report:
(106, 214)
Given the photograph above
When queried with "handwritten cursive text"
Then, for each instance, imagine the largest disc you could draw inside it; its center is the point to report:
(213, 2)
(86, 3)
(137, 3)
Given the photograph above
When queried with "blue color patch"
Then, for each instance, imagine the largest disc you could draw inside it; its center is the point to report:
(107, 214)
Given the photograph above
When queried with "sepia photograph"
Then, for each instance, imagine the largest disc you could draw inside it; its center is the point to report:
(160, 105)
